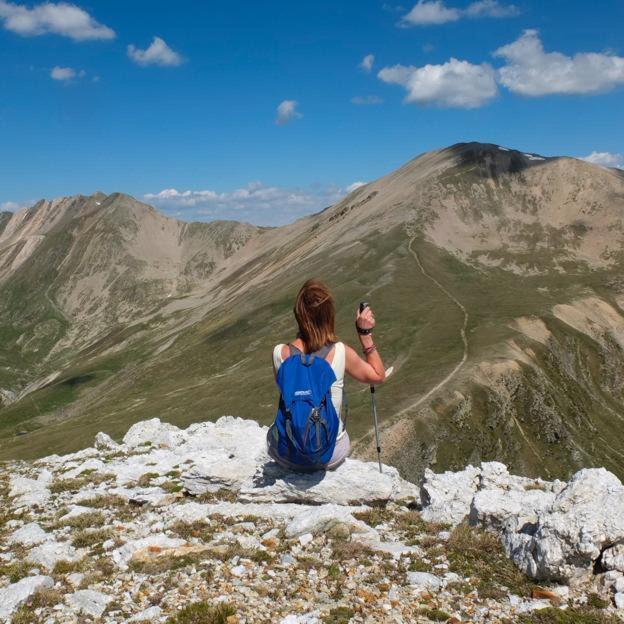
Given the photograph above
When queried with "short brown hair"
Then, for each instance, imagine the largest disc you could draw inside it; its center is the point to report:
(315, 313)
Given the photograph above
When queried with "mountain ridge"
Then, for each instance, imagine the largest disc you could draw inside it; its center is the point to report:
(532, 248)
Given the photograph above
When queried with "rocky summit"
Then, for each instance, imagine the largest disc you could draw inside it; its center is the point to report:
(199, 525)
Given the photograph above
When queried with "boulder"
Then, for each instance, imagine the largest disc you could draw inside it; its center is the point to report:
(446, 497)
(613, 558)
(353, 483)
(154, 433)
(16, 594)
(323, 518)
(103, 442)
(569, 536)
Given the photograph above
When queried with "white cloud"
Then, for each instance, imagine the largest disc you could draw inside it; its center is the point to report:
(66, 74)
(367, 62)
(433, 12)
(256, 203)
(158, 53)
(429, 12)
(366, 100)
(287, 112)
(491, 8)
(12, 206)
(354, 186)
(605, 159)
(63, 19)
(533, 72)
(455, 84)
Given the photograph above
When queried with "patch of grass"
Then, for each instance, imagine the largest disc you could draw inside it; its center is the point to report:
(85, 520)
(222, 494)
(172, 487)
(199, 529)
(477, 553)
(46, 597)
(435, 615)
(581, 615)
(596, 602)
(166, 563)
(16, 570)
(418, 565)
(260, 556)
(88, 538)
(68, 567)
(333, 571)
(145, 479)
(375, 516)
(203, 613)
(74, 485)
(339, 615)
(345, 551)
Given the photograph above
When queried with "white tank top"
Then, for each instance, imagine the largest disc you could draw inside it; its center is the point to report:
(338, 366)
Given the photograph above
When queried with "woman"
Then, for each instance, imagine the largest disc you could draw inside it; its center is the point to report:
(315, 314)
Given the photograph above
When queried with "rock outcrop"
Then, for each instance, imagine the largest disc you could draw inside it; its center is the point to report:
(136, 530)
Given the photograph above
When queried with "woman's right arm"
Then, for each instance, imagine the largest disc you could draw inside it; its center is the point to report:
(370, 370)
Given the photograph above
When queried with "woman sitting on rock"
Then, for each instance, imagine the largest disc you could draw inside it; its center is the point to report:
(308, 433)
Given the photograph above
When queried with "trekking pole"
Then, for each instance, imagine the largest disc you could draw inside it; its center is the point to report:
(374, 410)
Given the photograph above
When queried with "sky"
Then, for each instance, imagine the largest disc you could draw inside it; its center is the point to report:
(267, 111)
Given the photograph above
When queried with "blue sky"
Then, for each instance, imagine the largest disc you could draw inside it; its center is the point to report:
(267, 111)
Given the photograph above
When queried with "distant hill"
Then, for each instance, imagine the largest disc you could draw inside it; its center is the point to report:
(496, 276)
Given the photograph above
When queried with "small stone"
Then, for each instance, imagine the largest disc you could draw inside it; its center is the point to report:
(619, 600)
(152, 614)
(305, 539)
(424, 581)
(75, 578)
(238, 570)
(287, 559)
(88, 602)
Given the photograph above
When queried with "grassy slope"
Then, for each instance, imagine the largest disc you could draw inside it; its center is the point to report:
(222, 364)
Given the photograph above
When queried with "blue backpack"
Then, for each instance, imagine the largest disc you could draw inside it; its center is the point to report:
(306, 422)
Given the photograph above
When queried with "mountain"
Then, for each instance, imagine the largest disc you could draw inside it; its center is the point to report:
(495, 275)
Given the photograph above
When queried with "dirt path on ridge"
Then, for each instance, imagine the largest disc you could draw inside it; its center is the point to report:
(394, 429)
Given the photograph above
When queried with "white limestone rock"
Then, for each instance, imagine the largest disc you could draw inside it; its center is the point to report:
(613, 558)
(494, 507)
(93, 465)
(49, 553)
(151, 614)
(447, 497)
(103, 442)
(155, 433)
(30, 534)
(122, 555)
(354, 482)
(16, 594)
(29, 492)
(424, 581)
(88, 602)
(569, 536)
(323, 518)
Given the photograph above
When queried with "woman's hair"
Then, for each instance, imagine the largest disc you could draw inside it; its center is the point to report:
(315, 314)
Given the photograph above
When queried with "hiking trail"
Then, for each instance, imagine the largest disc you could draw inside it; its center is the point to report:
(462, 333)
